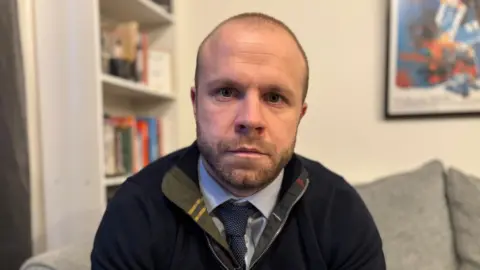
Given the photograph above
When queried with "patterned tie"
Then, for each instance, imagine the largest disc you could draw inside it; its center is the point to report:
(234, 218)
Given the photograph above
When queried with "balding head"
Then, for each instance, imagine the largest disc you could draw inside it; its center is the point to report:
(250, 22)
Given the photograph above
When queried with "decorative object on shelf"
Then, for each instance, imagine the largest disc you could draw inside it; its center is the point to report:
(433, 58)
(120, 51)
(127, 54)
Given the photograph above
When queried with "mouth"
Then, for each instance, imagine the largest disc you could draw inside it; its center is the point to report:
(247, 152)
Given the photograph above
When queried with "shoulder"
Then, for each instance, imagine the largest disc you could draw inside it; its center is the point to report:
(339, 211)
(135, 218)
(331, 190)
(149, 179)
(324, 182)
(141, 193)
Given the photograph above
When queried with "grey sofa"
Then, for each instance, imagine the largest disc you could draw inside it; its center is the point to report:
(428, 217)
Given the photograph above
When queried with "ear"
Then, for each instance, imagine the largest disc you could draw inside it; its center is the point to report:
(304, 110)
(193, 97)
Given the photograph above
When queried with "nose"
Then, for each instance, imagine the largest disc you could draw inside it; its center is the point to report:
(250, 120)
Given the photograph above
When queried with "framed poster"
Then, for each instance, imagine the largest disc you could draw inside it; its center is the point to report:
(433, 58)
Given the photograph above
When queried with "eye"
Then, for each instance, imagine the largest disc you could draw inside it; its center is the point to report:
(226, 92)
(274, 98)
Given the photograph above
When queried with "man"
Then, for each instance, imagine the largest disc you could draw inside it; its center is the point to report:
(238, 197)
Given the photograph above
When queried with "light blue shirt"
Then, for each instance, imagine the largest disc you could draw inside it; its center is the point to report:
(264, 200)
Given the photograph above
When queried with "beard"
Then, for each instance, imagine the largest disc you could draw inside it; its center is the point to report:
(241, 173)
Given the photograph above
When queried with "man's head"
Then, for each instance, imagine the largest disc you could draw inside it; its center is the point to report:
(251, 82)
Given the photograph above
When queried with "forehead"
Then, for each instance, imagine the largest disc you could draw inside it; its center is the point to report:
(268, 53)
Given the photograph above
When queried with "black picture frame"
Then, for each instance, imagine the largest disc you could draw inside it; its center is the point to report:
(427, 63)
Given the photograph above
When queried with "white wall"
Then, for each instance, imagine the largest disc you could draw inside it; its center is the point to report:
(345, 42)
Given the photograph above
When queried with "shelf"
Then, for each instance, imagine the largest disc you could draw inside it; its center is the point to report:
(145, 12)
(114, 180)
(124, 88)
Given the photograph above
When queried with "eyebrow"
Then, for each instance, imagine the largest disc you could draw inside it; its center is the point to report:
(223, 82)
(226, 82)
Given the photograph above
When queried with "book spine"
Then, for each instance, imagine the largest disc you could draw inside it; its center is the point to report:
(109, 146)
(131, 143)
(161, 150)
(120, 168)
(144, 135)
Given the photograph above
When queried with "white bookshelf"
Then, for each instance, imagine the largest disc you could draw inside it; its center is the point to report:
(125, 97)
(114, 181)
(146, 12)
(74, 95)
(115, 86)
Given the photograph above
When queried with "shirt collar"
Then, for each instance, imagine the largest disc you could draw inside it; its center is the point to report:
(214, 194)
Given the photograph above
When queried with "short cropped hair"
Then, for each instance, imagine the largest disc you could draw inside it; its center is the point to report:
(254, 17)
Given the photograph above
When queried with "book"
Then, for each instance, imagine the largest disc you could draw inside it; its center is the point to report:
(159, 70)
(131, 143)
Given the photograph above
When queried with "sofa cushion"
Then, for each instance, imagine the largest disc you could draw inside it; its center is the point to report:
(75, 257)
(411, 213)
(463, 193)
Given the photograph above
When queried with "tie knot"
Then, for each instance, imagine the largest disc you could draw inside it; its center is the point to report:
(235, 217)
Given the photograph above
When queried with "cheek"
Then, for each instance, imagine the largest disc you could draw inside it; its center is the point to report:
(283, 131)
(214, 121)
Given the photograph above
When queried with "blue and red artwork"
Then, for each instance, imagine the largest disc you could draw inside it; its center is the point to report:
(438, 44)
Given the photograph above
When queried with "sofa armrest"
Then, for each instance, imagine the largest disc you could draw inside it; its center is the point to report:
(69, 258)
